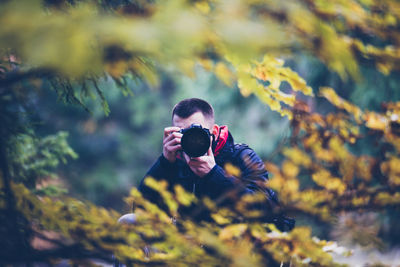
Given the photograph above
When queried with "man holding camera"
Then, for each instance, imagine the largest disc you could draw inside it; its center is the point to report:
(195, 151)
(187, 159)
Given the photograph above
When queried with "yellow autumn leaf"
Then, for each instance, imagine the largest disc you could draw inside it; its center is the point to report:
(391, 168)
(207, 64)
(325, 179)
(246, 83)
(161, 188)
(341, 103)
(183, 197)
(291, 186)
(232, 231)
(385, 198)
(221, 220)
(290, 169)
(203, 6)
(385, 68)
(224, 74)
(324, 154)
(277, 182)
(297, 156)
(364, 165)
(296, 82)
(271, 102)
(360, 201)
(146, 72)
(288, 99)
(232, 170)
(337, 147)
(376, 121)
(117, 69)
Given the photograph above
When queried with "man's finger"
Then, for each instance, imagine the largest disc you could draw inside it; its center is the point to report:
(174, 135)
(168, 138)
(173, 142)
(210, 152)
(177, 134)
(174, 148)
(203, 158)
(171, 129)
(194, 163)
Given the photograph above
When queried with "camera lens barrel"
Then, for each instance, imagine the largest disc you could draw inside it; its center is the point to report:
(195, 140)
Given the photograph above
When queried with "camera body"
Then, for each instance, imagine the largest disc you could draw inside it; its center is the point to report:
(195, 140)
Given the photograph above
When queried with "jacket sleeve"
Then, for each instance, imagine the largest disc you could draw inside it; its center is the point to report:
(254, 175)
(217, 182)
(252, 179)
(161, 169)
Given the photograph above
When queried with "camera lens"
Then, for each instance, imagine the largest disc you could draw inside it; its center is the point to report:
(195, 142)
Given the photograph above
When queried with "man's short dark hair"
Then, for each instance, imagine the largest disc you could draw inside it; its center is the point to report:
(188, 107)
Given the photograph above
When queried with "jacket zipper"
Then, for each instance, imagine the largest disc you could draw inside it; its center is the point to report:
(194, 188)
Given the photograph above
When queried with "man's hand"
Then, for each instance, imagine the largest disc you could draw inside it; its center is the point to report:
(171, 143)
(201, 166)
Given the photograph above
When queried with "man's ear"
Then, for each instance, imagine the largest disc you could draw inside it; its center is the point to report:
(215, 130)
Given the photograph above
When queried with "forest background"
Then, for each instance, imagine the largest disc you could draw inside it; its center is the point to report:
(87, 87)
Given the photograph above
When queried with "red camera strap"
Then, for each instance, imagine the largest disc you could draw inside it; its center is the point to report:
(221, 138)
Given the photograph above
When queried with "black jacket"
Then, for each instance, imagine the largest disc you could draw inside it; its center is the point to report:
(216, 182)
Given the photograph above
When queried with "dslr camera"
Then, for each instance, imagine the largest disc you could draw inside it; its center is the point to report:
(195, 140)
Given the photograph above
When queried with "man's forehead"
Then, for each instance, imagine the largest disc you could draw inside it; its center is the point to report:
(197, 118)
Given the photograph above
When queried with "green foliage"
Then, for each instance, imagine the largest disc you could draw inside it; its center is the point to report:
(178, 34)
(87, 230)
(323, 175)
(342, 180)
(34, 158)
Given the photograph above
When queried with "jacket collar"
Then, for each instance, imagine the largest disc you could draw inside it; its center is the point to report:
(221, 136)
(226, 150)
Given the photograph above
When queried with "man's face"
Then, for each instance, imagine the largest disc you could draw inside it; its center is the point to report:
(197, 118)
